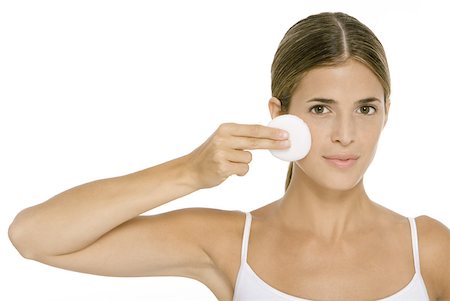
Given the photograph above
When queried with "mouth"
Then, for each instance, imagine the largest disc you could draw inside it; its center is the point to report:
(342, 161)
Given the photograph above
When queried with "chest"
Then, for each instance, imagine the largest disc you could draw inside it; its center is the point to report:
(367, 267)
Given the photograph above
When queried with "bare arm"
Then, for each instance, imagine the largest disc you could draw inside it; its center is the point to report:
(96, 227)
(74, 219)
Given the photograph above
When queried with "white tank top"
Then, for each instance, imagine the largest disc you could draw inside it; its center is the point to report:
(249, 287)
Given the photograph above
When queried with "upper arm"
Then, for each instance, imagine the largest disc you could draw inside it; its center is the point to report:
(435, 255)
(171, 243)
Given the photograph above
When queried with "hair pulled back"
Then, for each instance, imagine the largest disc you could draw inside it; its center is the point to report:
(325, 39)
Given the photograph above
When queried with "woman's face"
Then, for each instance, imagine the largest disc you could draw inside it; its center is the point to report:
(345, 111)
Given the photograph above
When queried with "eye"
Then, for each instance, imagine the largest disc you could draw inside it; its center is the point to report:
(367, 110)
(319, 109)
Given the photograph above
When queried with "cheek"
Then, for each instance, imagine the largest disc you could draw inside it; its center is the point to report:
(321, 131)
(369, 132)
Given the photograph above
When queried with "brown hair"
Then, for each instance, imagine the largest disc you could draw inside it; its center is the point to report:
(325, 39)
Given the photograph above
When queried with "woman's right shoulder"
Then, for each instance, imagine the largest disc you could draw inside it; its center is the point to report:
(218, 233)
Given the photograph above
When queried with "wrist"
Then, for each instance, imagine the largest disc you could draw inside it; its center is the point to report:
(186, 173)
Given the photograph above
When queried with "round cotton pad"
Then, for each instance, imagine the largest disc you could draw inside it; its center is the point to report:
(299, 136)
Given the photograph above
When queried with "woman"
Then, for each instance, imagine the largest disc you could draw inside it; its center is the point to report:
(323, 240)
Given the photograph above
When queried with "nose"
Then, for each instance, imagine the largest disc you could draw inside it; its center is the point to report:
(343, 131)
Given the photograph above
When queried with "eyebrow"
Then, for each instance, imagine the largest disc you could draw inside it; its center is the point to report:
(332, 101)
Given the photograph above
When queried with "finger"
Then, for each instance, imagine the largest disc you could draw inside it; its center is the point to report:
(239, 156)
(240, 169)
(257, 143)
(255, 131)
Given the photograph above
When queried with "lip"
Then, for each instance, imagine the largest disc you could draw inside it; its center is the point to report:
(342, 161)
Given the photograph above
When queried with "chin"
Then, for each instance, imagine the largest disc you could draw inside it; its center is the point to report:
(340, 186)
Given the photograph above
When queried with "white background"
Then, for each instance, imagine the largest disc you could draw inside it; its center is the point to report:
(95, 89)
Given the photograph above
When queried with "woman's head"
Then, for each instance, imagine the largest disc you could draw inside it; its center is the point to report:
(322, 42)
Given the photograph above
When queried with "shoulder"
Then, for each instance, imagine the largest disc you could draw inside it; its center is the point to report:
(219, 233)
(434, 237)
(434, 247)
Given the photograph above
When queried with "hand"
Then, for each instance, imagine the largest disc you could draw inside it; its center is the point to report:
(225, 152)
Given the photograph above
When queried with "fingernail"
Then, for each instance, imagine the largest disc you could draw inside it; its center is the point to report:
(286, 143)
(283, 134)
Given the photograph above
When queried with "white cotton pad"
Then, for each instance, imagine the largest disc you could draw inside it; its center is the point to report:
(299, 136)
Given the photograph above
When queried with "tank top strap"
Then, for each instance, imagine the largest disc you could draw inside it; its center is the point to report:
(415, 244)
(246, 236)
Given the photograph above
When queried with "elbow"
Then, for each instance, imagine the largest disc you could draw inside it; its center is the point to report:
(18, 235)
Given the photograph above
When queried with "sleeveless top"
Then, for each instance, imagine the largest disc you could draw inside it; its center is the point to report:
(249, 287)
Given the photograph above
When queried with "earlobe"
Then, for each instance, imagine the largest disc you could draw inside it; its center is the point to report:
(275, 107)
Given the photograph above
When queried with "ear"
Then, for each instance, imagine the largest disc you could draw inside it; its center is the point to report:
(275, 107)
(387, 106)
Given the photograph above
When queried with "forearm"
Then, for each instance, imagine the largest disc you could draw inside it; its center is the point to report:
(76, 218)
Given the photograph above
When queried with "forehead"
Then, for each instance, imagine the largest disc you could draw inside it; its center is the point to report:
(345, 83)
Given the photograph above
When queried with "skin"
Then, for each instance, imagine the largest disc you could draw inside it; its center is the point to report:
(326, 240)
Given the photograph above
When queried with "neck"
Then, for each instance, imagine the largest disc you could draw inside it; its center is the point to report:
(326, 212)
